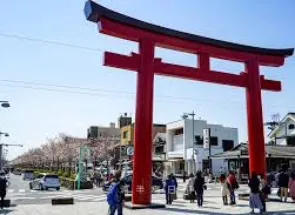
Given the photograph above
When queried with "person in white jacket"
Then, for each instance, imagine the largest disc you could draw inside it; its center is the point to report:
(190, 188)
(224, 189)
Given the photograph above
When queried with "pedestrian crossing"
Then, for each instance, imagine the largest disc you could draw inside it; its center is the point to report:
(22, 195)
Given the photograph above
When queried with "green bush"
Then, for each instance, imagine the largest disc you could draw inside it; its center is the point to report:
(66, 174)
(60, 172)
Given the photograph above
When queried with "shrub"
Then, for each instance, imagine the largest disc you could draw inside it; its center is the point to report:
(60, 172)
(66, 174)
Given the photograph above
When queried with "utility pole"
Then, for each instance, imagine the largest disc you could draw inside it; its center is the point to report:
(185, 116)
(1, 150)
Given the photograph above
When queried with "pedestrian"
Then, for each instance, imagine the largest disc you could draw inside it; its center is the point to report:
(115, 196)
(199, 188)
(292, 185)
(224, 189)
(190, 188)
(170, 189)
(3, 186)
(184, 176)
(254, 198)
(265, 191)
(283, 183)
(232, 185)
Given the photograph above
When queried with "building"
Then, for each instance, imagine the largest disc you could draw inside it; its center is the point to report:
(124, 120)
(179, 138)
(159, 153)
(127, 137)
(237, 158)
(283, 132)
(95, 132)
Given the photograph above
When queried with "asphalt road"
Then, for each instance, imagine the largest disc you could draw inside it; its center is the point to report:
(19, 192)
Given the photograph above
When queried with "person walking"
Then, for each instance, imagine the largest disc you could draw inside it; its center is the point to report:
(265, 191)
(3, 186)
(283, 183)
(170, 189)
(232, 185)
(115, 196)
(184, 176)
(199, 188)
(224, 189)
(254, 198)
(292, 185)
(190, 188)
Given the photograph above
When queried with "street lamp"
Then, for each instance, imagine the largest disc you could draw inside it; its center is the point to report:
(5, 104)
(185, 116)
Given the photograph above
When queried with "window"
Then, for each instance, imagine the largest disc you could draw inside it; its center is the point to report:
(291, 126)
(227, 144)
(125, 134)
(198, 140)
(178, 131)
(159, 150)
(214, 141)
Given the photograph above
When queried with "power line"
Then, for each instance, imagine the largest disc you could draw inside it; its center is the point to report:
(51, 42)
(52, 87)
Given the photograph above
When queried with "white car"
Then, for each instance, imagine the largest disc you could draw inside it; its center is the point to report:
(45, 181)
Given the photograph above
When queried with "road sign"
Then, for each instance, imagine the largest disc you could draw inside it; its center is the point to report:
(206, 138)
(130, 150)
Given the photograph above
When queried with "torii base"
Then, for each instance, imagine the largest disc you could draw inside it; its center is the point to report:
(131, 206)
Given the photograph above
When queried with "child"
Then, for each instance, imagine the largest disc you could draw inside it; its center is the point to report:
(224, 189)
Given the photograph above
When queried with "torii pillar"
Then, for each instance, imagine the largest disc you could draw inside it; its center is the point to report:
(149, 36)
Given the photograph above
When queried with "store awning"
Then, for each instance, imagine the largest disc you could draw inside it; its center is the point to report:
(272, 151)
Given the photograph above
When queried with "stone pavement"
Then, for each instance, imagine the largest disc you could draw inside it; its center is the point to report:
(212, 205)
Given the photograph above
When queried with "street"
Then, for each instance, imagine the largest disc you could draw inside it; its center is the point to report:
(19, 192)
(26, 201)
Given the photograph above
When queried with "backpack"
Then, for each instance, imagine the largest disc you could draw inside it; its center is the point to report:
(266, 189)
(112, 196)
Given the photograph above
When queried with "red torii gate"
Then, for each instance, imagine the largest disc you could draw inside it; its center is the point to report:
(149, 36)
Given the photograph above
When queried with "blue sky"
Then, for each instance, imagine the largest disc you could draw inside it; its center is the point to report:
(37, 114)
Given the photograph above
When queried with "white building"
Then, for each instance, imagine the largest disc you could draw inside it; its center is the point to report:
(284, 132)
(179, 137)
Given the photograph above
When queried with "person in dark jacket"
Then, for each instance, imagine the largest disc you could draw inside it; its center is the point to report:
(199, 188)
(115, 196)
(170, 189)
(284, 183)
(254, 198)
(3, 186)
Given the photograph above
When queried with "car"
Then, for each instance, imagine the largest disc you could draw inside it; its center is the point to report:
(157, 183)
(17, 172)
(28, 175)
(45, 181)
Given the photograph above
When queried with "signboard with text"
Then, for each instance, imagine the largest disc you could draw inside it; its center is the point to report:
(206, 138)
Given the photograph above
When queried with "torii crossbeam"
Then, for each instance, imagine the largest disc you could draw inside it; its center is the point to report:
(146, 65)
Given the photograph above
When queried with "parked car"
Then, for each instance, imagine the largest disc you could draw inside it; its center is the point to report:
(28, 175)
(157, 183)
(17, 172)
(45, 181)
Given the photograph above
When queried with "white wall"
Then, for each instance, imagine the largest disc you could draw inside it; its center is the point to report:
(186, 151)
(282, 132)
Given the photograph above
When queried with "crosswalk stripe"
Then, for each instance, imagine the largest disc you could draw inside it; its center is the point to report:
(22, 190)
(10, 190)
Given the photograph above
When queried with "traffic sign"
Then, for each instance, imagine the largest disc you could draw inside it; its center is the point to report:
(130, 150)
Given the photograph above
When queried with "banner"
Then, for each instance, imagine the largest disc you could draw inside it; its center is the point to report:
(206, 138)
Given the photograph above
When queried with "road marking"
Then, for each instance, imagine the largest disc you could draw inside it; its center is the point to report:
(10, 190)
(22, 190)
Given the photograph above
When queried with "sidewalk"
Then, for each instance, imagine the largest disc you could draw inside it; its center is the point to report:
(179, 207)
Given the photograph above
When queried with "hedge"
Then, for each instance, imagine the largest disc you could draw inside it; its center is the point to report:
(68, 181)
